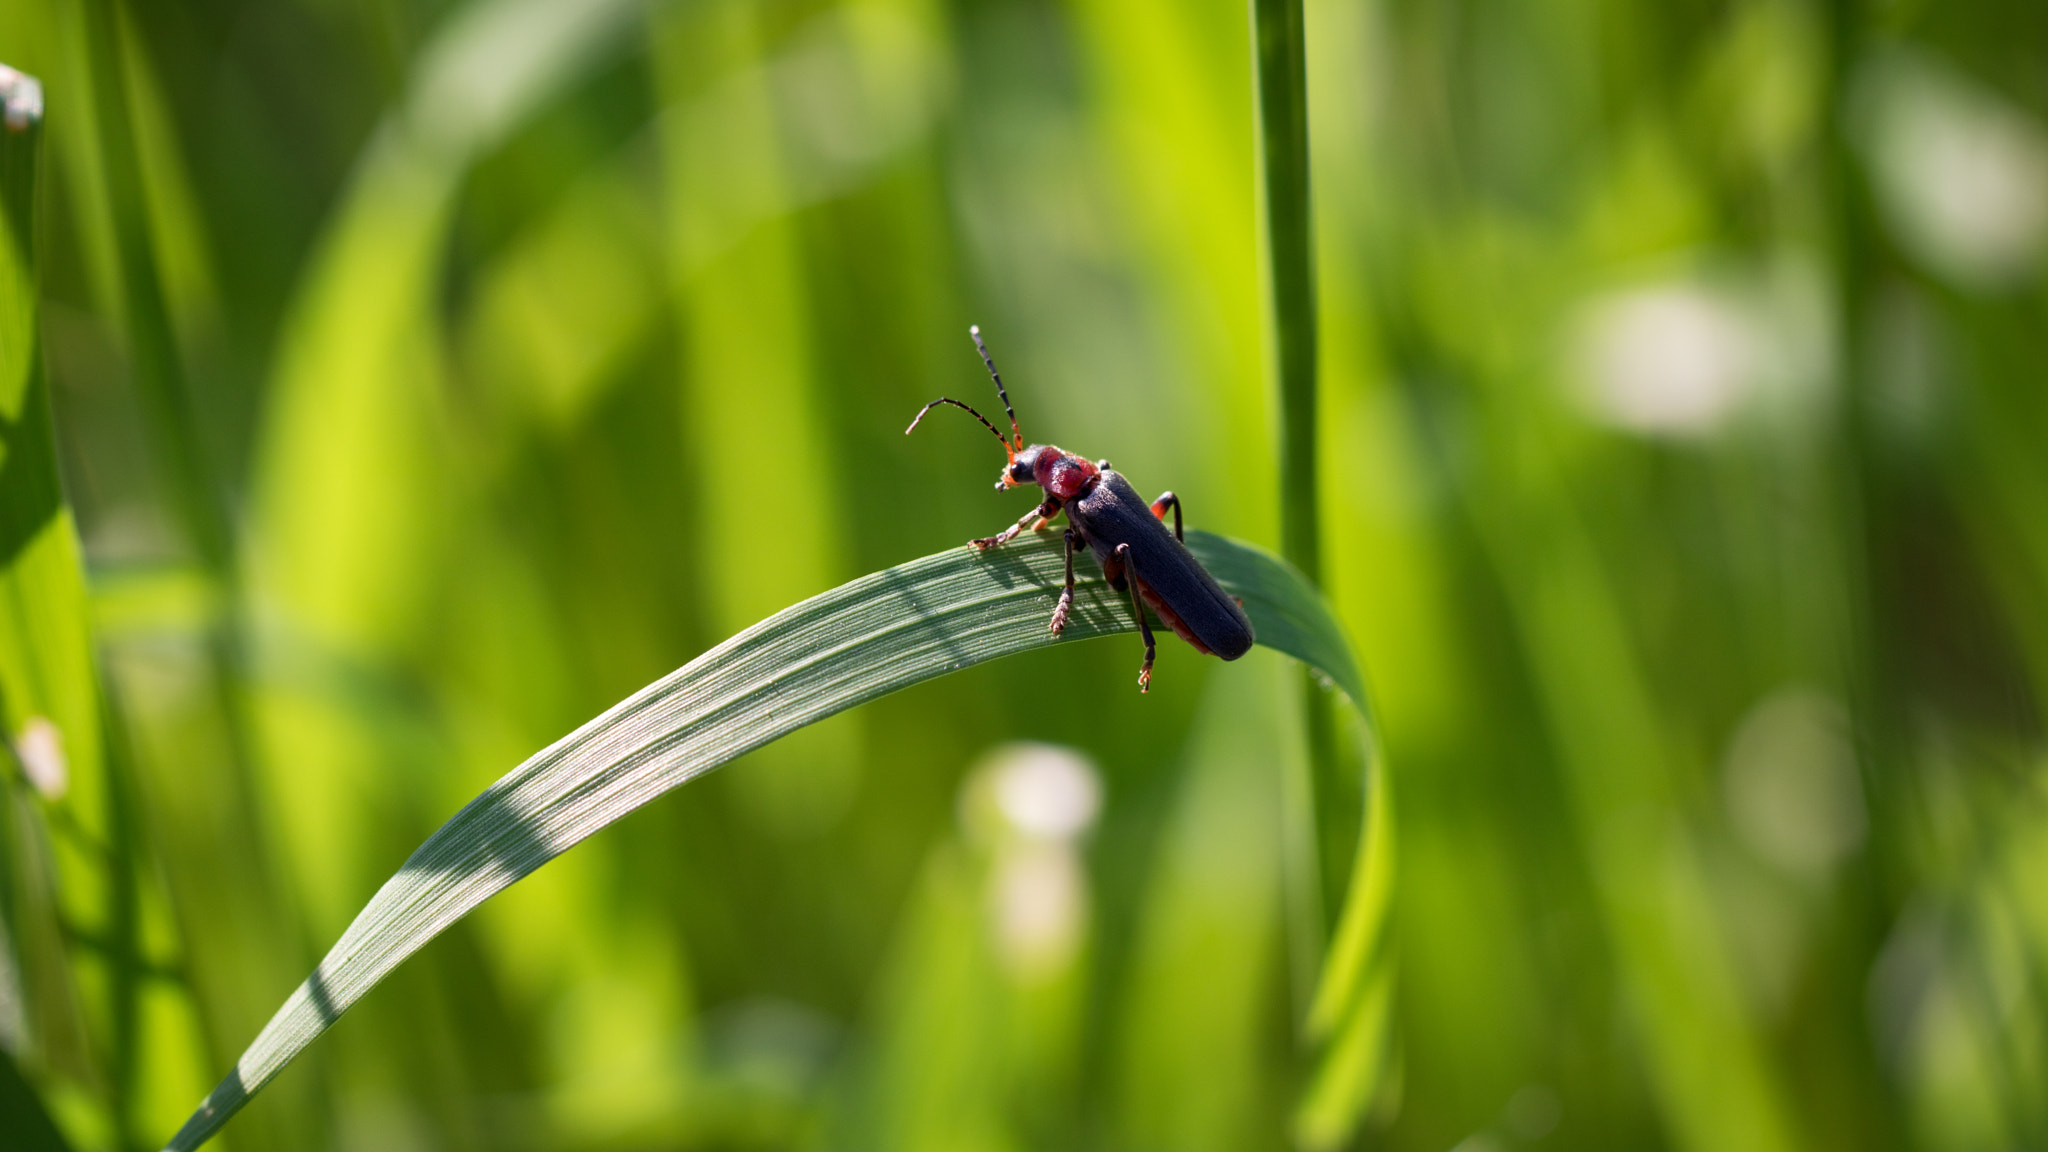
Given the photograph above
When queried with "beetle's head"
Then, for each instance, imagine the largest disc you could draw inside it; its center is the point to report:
(1023, 467)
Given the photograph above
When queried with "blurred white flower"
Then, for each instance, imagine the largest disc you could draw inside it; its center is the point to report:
(1962, 174)
(1791, 785)
(40, 748)
(1030, 804)
(1671, 359)
(1047, 792)
(1682, 357)
(21, 98)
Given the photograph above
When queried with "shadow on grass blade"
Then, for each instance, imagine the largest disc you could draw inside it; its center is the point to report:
(864, 639)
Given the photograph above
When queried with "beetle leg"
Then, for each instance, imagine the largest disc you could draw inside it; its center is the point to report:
(1043, 512)
(1113, 571)
(1059, 614)
(1123, 553)
(1169, 500)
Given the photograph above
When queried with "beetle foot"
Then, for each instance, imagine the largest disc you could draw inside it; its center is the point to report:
(1145, 678)
(1059, 614)
(985, 543)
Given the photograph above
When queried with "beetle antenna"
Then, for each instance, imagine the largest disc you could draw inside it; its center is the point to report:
(1007, 450)
(974, 330)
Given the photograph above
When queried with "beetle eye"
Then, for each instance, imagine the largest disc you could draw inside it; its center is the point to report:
(1024, 469)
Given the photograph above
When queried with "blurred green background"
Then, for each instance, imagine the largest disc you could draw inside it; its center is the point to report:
(429, 374)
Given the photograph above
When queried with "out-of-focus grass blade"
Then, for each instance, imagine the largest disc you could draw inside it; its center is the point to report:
(1353, 1014)
(28, 1126)
(882, 632)
(49, 695)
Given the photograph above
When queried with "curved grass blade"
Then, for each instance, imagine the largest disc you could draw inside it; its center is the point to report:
(864, 639)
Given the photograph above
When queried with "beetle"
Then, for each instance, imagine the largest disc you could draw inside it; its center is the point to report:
(1127, 536)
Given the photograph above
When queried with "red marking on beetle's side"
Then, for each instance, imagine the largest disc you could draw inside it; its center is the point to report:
(1170, 618)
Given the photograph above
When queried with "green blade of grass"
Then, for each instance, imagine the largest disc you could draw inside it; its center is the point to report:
(172, 417)
(1280, 56)
(864, 639)
(65, 866)
(1280, 50)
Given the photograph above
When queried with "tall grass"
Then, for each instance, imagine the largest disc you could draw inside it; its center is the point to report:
(425, 378)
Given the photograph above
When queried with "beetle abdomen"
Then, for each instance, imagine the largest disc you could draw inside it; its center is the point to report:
(1185, 596)
(1171, 619)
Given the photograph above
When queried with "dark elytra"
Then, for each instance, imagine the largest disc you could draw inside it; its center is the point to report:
(1113, 513)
